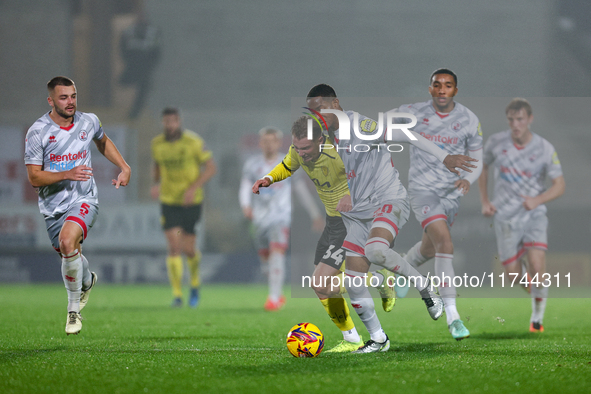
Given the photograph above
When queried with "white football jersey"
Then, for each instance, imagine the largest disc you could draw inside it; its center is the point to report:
(370, 174)
(519, 171)
(58, 149)
(273, 204)
(457, 133)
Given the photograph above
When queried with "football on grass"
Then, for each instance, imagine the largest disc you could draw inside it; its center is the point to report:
(305, 340)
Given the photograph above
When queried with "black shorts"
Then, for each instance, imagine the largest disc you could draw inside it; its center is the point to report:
(179, 216)
(329, 249)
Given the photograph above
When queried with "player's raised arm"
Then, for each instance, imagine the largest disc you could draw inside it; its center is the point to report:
(280, 172)
(110, 151)
(452, 162)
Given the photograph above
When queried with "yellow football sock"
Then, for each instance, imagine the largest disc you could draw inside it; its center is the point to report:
(338, 311)
(193, 263)
(174, 264)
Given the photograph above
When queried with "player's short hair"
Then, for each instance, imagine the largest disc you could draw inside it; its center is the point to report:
(299, 129)
(322, 90)
(271, 130)
(59, 81)
(444, 71)
(170, 111)
(517, 104)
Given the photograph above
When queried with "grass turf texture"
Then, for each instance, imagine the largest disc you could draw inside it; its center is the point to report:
(132, 341)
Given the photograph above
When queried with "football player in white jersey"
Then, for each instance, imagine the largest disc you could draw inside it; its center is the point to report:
(57, 156)
(271, 212)
(379, 206)
(521, 161)
(434, 191)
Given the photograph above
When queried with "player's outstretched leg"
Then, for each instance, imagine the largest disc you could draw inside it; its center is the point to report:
(378, 251)
(363, 303)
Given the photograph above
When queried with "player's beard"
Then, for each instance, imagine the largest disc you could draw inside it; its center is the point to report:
(63, 113)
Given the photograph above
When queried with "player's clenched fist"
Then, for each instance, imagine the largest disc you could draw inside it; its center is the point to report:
(80, 173)
(264, 182)
(488, 209)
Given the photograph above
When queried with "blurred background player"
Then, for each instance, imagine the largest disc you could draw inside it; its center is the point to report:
(380, 207)
(57, 156)
(270, 213)
(522, 160)
(182, 165)
(326, 170)
(434, 191)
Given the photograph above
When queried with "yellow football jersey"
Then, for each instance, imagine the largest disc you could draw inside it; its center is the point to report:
(180, 162)
(327, 173)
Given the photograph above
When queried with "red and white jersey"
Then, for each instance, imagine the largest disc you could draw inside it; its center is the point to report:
(273, 204)
(519, 171)
(370, 174)
(58, 149)
(457, 133)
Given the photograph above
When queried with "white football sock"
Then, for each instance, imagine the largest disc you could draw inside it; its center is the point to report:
(351, 335)
(444, 269)
(539, 295)
(414, 256)
(276, 275)
(363, 304)
(86, 275)
(72, 276)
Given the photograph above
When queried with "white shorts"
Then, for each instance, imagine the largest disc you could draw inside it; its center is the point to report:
(428, 207)
(389, 214)
(519, 233)
(273, 236)
(82, 213)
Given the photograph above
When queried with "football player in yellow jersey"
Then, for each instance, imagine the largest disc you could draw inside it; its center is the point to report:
(182, 165)
(325, 168)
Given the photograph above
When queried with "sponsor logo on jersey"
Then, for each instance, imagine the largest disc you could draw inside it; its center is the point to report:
(555, 158)
(479, 129)
(65, 162)
(425, 121)
(440, 139)
(52, 139)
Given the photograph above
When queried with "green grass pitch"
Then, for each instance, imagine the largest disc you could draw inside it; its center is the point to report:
(133, 342)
